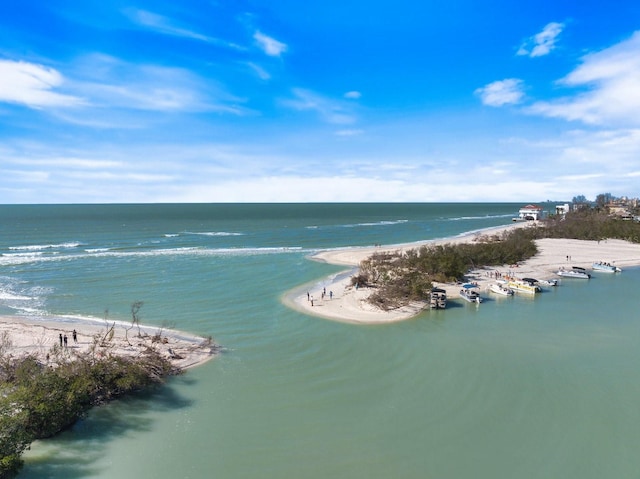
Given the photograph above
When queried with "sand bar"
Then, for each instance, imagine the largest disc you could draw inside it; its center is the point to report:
(22, 336)
(342, 302)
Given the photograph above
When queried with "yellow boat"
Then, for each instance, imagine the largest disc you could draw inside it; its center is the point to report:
(524, 286)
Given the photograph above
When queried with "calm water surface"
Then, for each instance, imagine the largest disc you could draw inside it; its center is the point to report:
(517, 387)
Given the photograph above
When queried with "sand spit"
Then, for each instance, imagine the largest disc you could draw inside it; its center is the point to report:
(334, 298)
(21, 336)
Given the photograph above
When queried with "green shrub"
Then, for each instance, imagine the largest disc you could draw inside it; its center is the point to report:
(38, 401)
(403, 277)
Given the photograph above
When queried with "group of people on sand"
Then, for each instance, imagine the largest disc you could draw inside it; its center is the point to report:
(323, 295)
(494, 274)
(64, 340)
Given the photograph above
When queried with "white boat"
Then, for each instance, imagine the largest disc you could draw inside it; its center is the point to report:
(603, 267)
(575, 272)
(469, 292)
(541, 282)
(438, 298)
(525, 285)
(500, 289)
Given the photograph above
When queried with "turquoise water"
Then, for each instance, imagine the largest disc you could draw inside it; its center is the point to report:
(526, 388)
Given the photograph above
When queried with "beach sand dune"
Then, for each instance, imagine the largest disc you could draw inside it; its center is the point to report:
(349, 304)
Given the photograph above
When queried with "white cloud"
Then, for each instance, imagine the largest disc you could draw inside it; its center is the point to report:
(502, 92)
(161, 24)
(172, 172)
(353, 95)
(270, 46)
(114, 87)
(542, 43)
(332, 111)
(590, 161)
(258, 70)
(357, 188)
(166, 26)
(349, 132)
(69, 163)
(53, 174)
(113, 84)
(33, 85)
(612, 77)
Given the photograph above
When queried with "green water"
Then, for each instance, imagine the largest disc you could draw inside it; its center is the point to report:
(515, 388)
(526, 388)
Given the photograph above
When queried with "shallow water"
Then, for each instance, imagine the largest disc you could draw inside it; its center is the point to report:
(515, 387)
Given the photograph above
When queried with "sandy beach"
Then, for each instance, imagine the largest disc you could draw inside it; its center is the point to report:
(21, 336)
(342, 302)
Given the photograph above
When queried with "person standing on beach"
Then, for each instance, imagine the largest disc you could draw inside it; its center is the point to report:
(75, 336)
(65, 340)
(60, 339)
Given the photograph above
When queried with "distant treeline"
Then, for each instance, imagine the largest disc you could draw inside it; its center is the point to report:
(591, 224)
(400, 278)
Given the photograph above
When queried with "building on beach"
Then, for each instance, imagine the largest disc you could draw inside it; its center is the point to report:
(530, 213)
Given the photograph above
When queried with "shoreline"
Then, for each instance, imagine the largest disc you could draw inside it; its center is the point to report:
(344, 303)
(21, 336)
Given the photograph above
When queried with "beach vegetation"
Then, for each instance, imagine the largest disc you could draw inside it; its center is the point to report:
(39, 400)
(396, 279)
(400, 278)
(136, 306)
(592, 224)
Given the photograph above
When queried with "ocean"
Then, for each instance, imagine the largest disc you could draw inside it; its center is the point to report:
(517, 387)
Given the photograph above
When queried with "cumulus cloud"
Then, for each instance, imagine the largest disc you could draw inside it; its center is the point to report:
(612, 77)
(542, 43)
(33, 85)
(502, 92)
(270, 46)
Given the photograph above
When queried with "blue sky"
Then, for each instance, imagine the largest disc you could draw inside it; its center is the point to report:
(289, 101)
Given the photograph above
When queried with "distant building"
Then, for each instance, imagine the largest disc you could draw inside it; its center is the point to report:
(562, 210)
(530, 213)
(618, 209)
